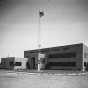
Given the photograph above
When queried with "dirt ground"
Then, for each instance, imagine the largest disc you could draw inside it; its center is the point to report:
(42, 80)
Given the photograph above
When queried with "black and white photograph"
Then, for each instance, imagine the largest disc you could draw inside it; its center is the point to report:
(43, 43)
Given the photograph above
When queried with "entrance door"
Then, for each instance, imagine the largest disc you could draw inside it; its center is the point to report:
(33, 63)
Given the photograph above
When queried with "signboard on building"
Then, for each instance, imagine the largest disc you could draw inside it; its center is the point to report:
(41, 55)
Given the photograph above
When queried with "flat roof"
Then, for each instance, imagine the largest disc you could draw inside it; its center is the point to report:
(51, 48)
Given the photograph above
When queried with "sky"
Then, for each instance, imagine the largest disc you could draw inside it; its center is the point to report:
(64, 22)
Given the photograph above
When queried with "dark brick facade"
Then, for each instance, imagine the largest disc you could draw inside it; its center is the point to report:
(69, 57)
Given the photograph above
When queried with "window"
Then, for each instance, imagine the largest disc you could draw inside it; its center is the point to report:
(11, 63)
(18, 63)
(85, 64)
(26, 56)
(3, 62)
(61, 64)
(62, 55)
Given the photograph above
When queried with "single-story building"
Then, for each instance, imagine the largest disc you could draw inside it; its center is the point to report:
(7, 63)
(13, 63)
(20, 63)
(68, 57)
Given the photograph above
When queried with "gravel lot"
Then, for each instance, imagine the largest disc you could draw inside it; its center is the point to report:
(42, 80)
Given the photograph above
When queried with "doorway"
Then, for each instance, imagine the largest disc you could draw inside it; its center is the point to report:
(33, 63)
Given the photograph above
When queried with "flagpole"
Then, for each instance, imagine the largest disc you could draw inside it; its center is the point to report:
(39, 38)
(39, 43)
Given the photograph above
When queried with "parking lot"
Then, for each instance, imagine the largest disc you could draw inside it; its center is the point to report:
(12, 79)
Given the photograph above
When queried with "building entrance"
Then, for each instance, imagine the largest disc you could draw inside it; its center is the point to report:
(33, 63)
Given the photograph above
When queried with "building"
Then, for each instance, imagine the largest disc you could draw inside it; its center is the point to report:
(13, 63)
(7, 63)
(20, 63)
(68, 57)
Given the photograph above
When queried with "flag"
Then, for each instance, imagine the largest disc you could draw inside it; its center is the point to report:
(41, 13)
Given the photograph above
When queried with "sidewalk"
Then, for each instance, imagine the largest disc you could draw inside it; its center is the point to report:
(53, 72)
